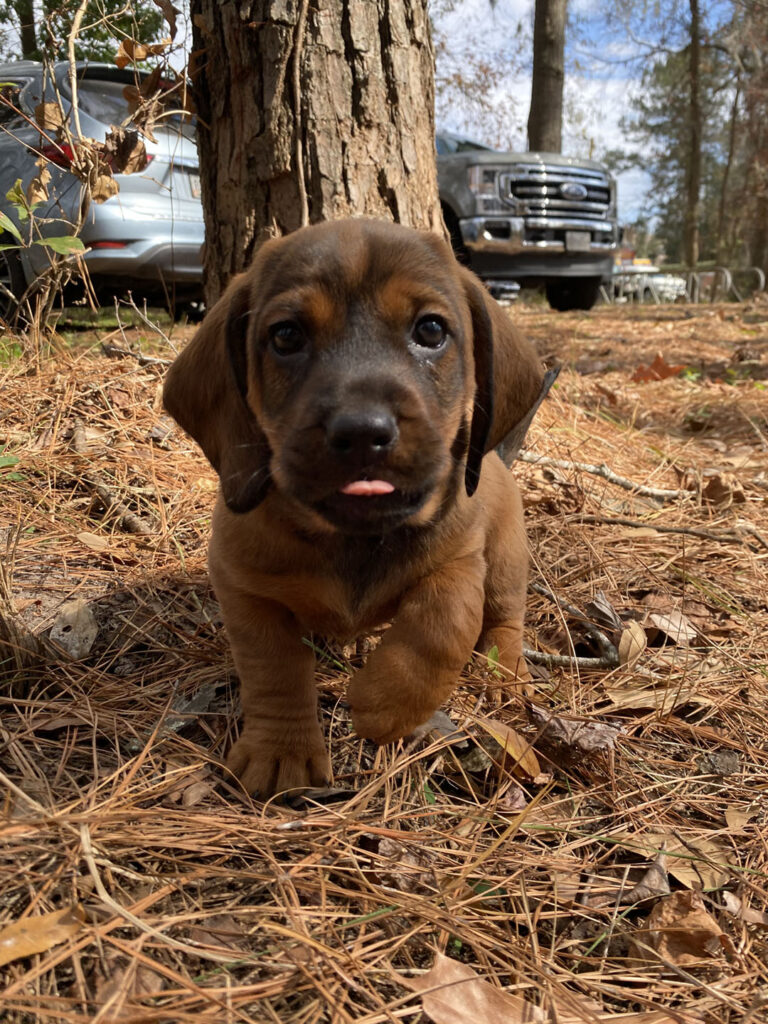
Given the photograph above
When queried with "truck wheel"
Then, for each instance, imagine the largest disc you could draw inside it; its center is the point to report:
(573, 293)
(12, 282)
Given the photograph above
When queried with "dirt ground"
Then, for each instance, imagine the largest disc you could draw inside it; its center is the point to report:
(596, 853)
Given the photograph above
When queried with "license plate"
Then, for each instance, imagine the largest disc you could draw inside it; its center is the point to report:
(577, 241)
(194, 185)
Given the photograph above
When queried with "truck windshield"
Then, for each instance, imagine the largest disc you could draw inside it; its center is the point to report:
(447, 144)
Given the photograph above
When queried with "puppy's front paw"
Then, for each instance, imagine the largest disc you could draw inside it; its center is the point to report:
(383, 721)
(267, 762)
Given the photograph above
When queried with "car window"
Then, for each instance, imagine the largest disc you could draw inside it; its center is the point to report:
(104, 101)
(109, 102)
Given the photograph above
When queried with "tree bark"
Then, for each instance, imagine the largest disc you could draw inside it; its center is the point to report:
(693, 164)
(308, 112)
(545, 119)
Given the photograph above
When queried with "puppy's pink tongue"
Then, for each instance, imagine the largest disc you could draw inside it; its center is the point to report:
(367, 488)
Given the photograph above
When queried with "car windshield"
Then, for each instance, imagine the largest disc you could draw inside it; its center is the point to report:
(447, 144)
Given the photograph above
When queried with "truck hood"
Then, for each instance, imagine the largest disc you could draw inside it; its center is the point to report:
(497, 158)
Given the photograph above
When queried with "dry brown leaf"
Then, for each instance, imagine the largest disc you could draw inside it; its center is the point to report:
(748, 915)
(723, 489)
(681, 930)
(736, 819)
(75, 628)
(662, 700)
(515, 745)
(659, 369)
(460, 996)
(37, 189)
(405, 868)
(125, 151)
(696, 862)
(126, 984)
(675, 625)
(219, 930)
(579, 737)
(193, 794)
(49, 116)
(38, 934)
(655, 882)
(94, 541)
(632, 643)
(169, 13)
(130, 51)
(104, 188)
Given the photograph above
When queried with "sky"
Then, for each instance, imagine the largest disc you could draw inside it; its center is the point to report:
(596, 93)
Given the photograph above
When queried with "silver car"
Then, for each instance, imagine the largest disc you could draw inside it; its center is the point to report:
(149, 235)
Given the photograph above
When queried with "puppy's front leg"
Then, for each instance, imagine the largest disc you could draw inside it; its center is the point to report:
(281, 745)
(418, 663)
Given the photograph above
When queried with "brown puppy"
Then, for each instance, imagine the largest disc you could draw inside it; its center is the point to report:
(346, 389)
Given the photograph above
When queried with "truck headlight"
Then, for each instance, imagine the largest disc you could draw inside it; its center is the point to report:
(484, 182)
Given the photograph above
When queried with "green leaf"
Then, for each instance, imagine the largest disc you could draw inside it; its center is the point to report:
(429, 796)
(4, 247)
(8, 460)
(17, 195)
(63, 245)
(7, 225)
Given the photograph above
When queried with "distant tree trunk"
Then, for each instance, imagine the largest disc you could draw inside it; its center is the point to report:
(25, 14)
(545, 119)
(724, 237)
(309, 112)
(693, 164)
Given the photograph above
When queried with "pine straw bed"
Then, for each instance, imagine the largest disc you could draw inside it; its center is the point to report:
(615, 871)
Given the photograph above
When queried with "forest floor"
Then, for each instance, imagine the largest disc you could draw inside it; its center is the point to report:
(596, 853)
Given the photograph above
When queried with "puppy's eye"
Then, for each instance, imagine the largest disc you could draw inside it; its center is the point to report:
(287, 338)
(430, 332)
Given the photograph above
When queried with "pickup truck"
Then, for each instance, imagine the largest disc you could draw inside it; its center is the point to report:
(529, 218)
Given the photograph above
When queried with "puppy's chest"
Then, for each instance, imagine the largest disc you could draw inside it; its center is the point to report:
(355, 587)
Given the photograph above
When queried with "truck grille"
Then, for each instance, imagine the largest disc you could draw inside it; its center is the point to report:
(539, 190)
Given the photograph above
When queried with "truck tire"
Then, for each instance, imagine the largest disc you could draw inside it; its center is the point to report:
(13, 284)
(573, 293)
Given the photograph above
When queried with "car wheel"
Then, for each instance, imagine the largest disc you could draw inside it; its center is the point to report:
(13, 284)
(573, 293)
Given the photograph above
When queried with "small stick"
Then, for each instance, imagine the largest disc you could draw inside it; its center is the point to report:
(607, 474)
(690, 531)
(128, 520)
(566, 661)
(609, 656)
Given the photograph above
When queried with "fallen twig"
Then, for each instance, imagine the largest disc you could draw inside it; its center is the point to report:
(127, 520)
(609, 656)
(690, 531)
(115, 352)
(606, 473)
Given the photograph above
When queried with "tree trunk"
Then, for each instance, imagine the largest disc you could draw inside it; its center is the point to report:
(693, 164)
(25, 15)
(545, 119)
(725, 237)
(308, 112)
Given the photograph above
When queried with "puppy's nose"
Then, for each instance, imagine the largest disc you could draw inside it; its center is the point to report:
(365, 435)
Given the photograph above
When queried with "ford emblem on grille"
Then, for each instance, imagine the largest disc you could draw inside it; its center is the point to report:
(573, 190)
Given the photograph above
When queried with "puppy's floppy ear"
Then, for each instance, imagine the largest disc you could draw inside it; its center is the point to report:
(205, 392)
(509, 380)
